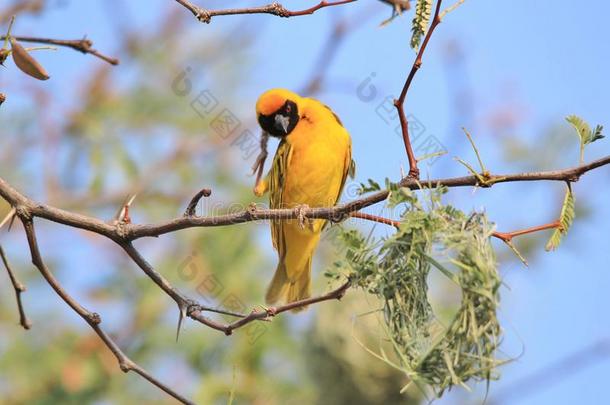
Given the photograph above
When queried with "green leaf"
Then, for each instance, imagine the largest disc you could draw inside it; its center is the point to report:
(585, 134)
(565, 219)
(582, 128)
(370, 187)
(596, 134)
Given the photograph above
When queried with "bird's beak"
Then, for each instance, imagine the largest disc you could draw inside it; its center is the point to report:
(282, 122)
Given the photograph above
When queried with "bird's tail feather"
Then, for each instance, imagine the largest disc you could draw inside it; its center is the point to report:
(282, 289)
(278, 289)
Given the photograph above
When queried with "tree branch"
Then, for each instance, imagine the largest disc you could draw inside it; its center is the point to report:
(122, 232)
(267, 313)
(375, 218)
(19, 289)
(92, 318)
(82, 45)
(275, 8)
(508, 236)
(400, 102)
(186, 306)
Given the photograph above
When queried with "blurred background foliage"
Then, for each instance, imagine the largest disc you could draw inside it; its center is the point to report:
(135, 135)
(113, 131)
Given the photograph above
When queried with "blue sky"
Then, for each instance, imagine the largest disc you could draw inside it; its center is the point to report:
(543, 59)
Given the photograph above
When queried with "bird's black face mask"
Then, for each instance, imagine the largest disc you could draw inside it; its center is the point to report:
(281, 122)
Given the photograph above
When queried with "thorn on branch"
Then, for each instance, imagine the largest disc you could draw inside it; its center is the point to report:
(190, 209)
(122, 215)
(92, 318)
(10, 216)
(19, 289)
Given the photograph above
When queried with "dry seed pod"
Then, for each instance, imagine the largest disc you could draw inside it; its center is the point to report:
(4, 53)
(2, 98)
(26, 62)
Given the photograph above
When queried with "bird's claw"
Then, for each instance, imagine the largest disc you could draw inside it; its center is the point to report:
(271, 311)
(300, 210)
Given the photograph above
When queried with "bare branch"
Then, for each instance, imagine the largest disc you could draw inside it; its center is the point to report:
(92, 318)
(267, 313)
(19, 289)
(400, 102)
(186, 306)
(375, 218)
(82, 45)
(275, 8)
(122, 232)
(508, 236)
(193, 310)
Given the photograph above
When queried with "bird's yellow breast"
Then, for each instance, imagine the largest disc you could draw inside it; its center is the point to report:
(320, 150)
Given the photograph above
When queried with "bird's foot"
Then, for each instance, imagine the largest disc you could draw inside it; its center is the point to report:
(300, 210)
(271, 312)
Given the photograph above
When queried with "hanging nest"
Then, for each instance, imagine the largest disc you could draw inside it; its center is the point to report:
(396, 270)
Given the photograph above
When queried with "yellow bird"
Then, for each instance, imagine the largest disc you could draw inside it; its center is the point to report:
(310, 166)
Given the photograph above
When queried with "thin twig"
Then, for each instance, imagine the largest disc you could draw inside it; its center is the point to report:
(82, 45)
(19, 289)
(130, 232)
(375, 218)
(451, 8)
(8, 217)
(186, 305)
(400, 102)
(92, 318)
(508, 236)
(267, 313)
(190, 209)
(276, 9)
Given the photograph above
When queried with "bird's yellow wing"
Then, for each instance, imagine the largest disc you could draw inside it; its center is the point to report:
(277, 179)
(348, 170)
(349, 167)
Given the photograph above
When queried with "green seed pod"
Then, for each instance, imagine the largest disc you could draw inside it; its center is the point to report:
(26, 62)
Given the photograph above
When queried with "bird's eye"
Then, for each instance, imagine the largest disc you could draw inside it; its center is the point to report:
(288, 108)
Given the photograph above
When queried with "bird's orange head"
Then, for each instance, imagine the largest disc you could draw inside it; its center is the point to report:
(277, 112)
